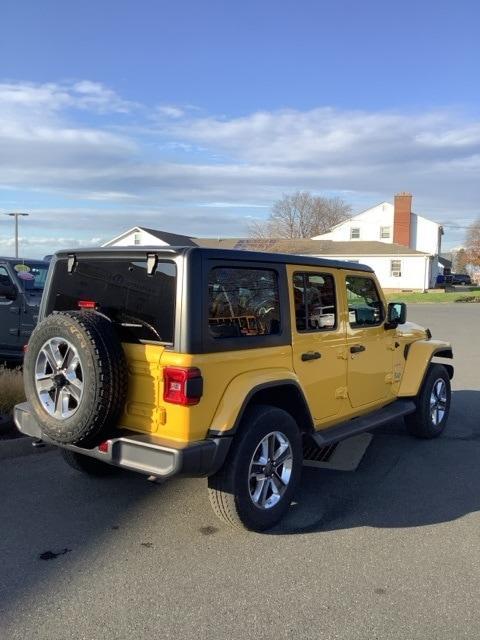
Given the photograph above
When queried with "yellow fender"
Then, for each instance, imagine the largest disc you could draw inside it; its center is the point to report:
(419, 356)
(240, 391)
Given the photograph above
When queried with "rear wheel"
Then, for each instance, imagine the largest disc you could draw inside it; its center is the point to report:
(256, 484)
(87, 465)
(75, 376)
(433, 404)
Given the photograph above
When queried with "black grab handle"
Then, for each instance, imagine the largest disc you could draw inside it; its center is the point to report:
(311, 355)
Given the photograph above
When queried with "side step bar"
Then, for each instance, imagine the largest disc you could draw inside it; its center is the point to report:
(377, 418)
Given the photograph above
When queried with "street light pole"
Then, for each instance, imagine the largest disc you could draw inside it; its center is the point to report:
(16, 216)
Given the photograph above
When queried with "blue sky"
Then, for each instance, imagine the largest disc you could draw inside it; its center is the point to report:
(195, 116)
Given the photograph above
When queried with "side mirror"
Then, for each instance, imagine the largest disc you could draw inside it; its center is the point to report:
(396, 314)
(8, 291)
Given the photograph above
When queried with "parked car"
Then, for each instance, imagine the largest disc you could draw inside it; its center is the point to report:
(21, 287)
(453, 278)
(217, 363)
(461, 278)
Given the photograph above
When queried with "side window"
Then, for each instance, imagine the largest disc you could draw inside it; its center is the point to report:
(315, 302)
(5, 279)
(365, 307)
(5, 284)
(243, 302)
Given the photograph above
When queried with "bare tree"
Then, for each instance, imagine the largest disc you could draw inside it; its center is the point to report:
(473, 244)
(460, 261)
(301, 215)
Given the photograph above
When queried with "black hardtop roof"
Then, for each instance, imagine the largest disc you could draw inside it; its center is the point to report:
(22, 260)
(216, 254)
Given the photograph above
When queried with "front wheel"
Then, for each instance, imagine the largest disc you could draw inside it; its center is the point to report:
(433, 404)
(256, 484)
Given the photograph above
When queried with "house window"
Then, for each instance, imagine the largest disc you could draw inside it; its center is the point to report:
(137, 238)
(354, 233)
(384, 232)
(396, 268)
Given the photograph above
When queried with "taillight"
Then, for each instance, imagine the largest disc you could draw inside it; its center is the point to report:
(86, 304)
(182, 385)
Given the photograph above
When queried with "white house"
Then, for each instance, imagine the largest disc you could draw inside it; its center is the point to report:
(148, 237)
(393, 223)
(402, 247)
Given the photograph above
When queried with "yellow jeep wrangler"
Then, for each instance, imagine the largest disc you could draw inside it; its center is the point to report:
(224, 364)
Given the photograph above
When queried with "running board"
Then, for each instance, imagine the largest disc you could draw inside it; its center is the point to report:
(377, 418)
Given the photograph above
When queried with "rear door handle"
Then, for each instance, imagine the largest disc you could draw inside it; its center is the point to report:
(311, 355)
(357, 348)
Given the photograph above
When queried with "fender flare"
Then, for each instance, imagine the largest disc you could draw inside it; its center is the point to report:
(419, 356)
(227, 417)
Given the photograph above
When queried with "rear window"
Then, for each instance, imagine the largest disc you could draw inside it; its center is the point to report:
(243, 302)
(142, 306)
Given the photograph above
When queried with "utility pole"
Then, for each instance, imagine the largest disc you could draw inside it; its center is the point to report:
(16, 216)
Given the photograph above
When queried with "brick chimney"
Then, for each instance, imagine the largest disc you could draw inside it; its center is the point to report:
(402, 218)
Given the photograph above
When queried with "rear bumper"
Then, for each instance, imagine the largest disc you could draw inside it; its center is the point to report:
(142, 452)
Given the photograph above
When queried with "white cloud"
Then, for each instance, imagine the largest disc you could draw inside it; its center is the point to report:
(170, 111)
(51, 97)
(163, 164)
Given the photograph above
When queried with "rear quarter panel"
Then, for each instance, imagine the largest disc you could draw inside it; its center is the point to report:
(228, 376)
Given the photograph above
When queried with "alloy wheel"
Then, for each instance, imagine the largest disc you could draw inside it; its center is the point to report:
(438, 401)
(270, 470)
(59, 378)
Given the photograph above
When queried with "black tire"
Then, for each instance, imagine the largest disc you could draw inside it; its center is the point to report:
(87, 465)
(427, 422)
(103, 370)
(229, 489)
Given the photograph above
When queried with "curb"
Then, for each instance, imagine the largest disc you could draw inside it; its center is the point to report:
(20, 447)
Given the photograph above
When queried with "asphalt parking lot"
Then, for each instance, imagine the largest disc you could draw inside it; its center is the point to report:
(389, 551)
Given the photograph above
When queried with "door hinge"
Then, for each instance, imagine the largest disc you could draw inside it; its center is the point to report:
(341, 393)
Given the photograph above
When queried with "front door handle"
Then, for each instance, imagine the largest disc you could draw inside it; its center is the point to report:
(311, 355)
(357, 348)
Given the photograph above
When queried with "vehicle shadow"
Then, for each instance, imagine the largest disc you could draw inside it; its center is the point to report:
(401, 481)
(50, 511)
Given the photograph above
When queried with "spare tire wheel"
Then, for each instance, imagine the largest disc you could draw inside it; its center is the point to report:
(76, 377)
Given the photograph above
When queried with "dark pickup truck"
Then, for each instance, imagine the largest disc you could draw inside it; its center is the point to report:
(21, 288)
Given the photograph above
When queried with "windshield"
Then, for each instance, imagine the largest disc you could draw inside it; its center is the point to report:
(32, 275)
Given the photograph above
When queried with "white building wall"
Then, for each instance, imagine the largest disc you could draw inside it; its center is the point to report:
(416, 270)
(143, 238)
(424, 234)
(369, 223)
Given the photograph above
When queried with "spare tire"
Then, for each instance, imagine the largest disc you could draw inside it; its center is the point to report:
(75, 375)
